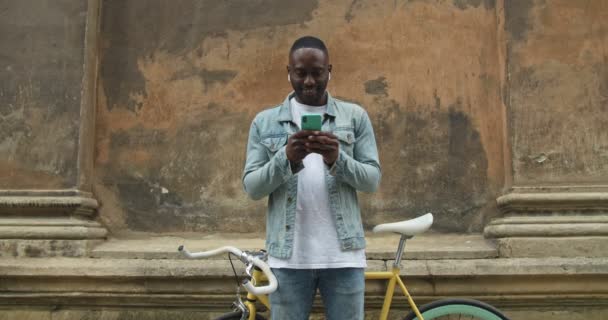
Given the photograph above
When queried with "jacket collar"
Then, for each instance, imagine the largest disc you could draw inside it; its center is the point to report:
(285, 109)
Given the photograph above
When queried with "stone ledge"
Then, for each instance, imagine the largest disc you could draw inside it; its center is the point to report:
(143, 287)
(170, 268)
(48, 203)
(379, 246)
(499, 230)
(52, 232)
(553, 201)
(208, 284)
(552, 221)
(557, 246)
(41, 248)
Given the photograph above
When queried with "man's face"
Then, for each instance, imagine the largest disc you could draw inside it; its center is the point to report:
(309, 73)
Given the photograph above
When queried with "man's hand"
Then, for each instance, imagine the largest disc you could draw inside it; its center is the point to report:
(296, 147)
(325, 144)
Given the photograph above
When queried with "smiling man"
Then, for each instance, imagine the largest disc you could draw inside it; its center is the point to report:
(314, 234)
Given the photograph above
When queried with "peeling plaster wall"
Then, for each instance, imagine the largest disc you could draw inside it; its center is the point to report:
(558, 97)
(181, 81)
(41, 70)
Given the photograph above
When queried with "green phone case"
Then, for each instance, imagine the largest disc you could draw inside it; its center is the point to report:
(311, 122)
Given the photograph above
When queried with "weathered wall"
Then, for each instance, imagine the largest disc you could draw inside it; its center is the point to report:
(41, 71)
(558, 96)
(180, 82)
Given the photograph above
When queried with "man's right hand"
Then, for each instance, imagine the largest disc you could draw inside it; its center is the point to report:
(296, 147)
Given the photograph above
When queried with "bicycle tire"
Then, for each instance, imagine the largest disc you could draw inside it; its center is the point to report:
(448, 309)
(236, 315)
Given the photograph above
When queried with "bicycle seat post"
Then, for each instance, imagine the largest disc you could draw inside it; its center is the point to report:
(400, 250)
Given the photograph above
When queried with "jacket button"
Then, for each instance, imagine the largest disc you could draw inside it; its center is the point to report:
(287, 227)
(289, 199)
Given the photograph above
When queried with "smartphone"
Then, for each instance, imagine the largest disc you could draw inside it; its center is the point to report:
(311, 122)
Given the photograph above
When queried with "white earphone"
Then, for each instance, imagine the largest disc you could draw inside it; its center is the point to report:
(329, 76)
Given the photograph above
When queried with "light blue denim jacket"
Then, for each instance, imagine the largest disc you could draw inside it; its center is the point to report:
(268, 172)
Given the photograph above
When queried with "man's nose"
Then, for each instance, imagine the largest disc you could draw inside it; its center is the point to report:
(309, 80)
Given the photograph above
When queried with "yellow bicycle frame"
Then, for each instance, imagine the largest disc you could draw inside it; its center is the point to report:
(392, 277)
(257, 277)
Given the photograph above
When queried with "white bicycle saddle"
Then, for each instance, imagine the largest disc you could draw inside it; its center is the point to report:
(409, 228)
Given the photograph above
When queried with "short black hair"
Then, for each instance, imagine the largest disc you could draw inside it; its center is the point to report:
(309, 42)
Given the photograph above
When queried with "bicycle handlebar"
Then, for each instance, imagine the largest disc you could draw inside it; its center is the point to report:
(245, 258)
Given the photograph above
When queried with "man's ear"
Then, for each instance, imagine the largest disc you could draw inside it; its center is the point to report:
(329, 67)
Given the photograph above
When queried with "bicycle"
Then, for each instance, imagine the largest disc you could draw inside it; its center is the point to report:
(444, 309)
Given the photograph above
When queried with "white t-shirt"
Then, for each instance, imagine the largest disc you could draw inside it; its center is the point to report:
(316, 244)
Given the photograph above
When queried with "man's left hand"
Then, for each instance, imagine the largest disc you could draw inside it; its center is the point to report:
(325, 144)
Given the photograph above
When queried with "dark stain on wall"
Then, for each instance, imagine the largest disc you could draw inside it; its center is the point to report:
(175, 27)
(141, 190)
(137, 137)
(222, 76)
(376, 86)
(32, 252)
(524, 79)
(517, 18)
(438, 164)
(12, 127)
(185, 186)
(146, 211)
(464, 4)
(209, 77)
(5, 106)
(349, 13)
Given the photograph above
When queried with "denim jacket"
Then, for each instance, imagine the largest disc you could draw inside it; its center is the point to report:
(268, 172)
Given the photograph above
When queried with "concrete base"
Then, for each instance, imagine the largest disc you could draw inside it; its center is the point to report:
(48, 223)
(144, 280)
(554, 223)
(46, 248)
(48, 236)
(556, 246)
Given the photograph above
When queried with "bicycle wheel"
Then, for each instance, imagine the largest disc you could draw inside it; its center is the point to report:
(237, 316)
(457, 309)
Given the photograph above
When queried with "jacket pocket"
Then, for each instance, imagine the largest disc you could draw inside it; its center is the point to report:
(274, 143)
(347, 139)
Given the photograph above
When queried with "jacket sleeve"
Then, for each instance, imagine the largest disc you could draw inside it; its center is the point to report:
(263, 174)
(362, 170)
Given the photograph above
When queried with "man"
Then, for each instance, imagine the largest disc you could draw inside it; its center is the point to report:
(314, 234)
